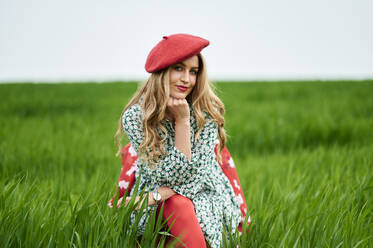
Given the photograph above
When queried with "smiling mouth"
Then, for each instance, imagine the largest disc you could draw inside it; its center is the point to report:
(182, 88)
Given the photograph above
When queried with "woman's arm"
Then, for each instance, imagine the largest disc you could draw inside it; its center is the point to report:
(179, 108)
(165, 194)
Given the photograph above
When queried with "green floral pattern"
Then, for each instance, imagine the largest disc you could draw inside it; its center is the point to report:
(200, 179)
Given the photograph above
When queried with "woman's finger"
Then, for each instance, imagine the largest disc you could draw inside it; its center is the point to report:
(170, 102)
(178, 107)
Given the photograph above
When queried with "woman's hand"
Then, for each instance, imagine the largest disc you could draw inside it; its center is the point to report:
(138, 199)
(165, 194)
(179, 109)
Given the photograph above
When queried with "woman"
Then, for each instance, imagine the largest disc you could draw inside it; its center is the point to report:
(173, 123)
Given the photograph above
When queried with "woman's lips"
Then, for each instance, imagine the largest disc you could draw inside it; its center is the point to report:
(182, 88)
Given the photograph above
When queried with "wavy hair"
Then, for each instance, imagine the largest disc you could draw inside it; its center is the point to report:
(155, 95)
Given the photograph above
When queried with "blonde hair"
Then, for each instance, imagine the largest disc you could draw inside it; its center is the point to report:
(155, 94)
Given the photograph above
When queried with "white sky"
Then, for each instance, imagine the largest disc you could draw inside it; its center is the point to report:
(47, 40)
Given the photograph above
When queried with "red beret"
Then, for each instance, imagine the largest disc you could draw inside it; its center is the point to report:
(172, 49)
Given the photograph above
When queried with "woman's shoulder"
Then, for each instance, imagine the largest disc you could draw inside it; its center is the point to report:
(133, 113)
(208, 121)
(206, 114)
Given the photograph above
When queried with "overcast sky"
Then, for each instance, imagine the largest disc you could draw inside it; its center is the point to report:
(69, 40)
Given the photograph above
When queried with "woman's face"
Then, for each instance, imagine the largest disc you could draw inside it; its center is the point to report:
(183, 77)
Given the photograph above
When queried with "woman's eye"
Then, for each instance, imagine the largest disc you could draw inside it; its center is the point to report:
(178, 68)
(194, 72)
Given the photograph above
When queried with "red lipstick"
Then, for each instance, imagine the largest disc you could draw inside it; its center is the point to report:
(182, 88)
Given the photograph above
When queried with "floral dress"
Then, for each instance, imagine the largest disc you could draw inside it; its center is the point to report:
(200, 179)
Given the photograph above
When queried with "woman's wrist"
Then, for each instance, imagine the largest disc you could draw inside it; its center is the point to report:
(165, 193)
(183, 121)
(155, 197)
(182, 136)
(151, 200)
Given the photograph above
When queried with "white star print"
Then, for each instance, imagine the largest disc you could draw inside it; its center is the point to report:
(231, 163)
(132, 151)
(131, 170)
(236, 184)
(123, 184)
(239, 199)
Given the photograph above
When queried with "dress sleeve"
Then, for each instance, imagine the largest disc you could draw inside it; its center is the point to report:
(132, 125)
(175, 169)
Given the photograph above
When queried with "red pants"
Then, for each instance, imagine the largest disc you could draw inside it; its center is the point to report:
(186, 225)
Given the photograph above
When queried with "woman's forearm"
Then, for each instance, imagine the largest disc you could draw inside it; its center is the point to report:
(182, 137)
(165, 194)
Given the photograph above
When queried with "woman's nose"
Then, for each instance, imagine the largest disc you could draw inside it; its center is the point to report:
(185, 77)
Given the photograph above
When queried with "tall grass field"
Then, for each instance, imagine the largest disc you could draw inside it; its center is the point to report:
(303, 152)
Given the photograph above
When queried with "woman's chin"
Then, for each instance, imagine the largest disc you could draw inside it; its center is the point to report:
(178, 95)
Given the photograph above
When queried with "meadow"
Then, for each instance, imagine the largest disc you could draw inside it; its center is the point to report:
(303, 152)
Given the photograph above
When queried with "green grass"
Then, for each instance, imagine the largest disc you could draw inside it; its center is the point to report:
(303, 152)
